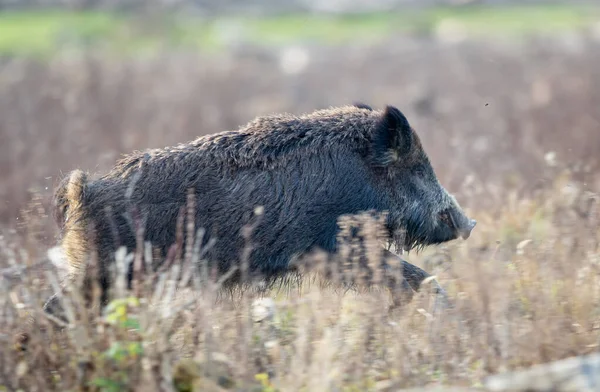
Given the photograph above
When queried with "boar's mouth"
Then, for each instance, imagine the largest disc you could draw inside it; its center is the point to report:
(452, 225)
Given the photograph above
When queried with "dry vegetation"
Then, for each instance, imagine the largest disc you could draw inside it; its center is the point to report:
(512, 129)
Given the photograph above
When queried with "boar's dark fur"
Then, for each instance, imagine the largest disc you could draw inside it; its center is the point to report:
(305, 171)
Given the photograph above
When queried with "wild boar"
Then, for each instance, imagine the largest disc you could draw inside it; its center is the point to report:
(304, 172)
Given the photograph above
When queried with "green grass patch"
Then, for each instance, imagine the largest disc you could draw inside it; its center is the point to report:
(518, 19)
(44, 32)
(35, 32)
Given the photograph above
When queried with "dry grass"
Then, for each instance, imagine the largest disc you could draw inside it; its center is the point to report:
(526, 285)
(525, 288)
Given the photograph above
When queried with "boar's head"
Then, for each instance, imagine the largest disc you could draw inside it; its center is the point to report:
(421, 211)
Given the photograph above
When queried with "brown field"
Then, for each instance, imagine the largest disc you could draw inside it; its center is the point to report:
(512, 128)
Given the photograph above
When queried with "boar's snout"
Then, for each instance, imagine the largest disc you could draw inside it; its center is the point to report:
(465, 232)
(459, 222)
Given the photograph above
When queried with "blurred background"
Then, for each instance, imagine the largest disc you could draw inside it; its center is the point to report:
(499, 91)
(505, 96)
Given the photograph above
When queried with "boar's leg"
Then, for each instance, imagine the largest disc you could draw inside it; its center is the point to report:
(412, 278)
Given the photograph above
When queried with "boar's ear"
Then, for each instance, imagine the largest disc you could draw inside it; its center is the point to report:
(392, 137)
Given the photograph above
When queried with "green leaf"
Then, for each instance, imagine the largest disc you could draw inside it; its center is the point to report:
(107, 385)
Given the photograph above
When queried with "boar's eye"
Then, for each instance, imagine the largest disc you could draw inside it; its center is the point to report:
(392, 137)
